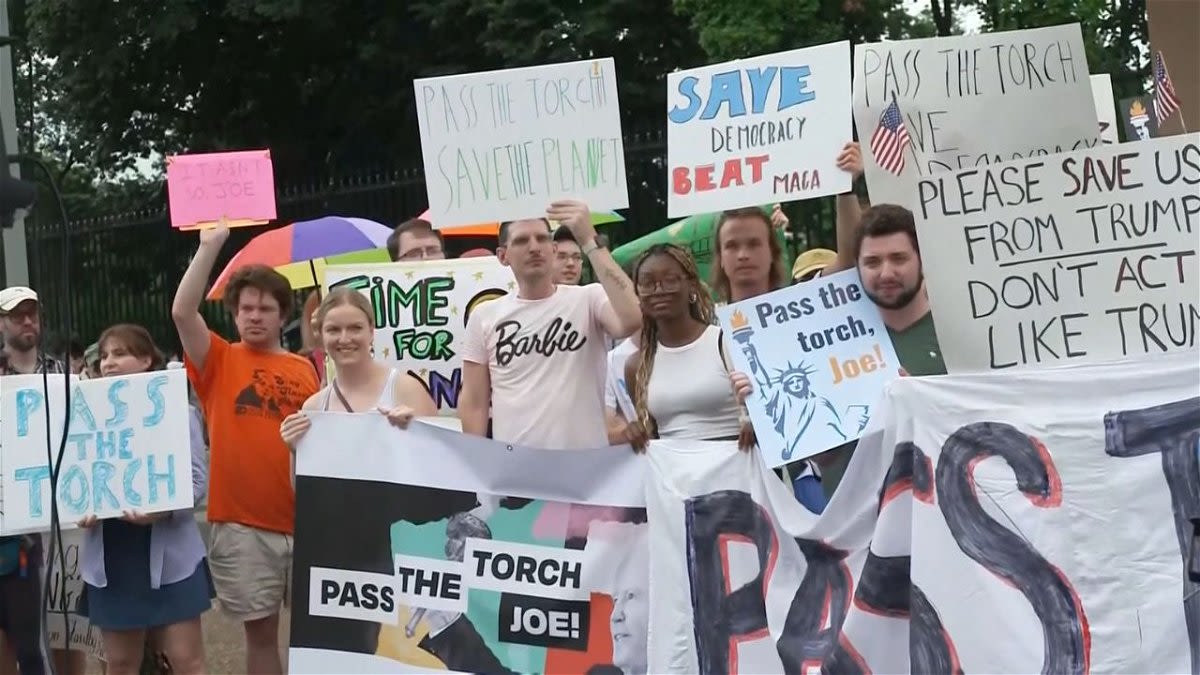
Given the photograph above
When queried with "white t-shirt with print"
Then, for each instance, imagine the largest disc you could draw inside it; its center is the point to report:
(547, 363)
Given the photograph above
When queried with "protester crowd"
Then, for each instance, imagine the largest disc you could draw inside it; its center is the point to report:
(615, 354)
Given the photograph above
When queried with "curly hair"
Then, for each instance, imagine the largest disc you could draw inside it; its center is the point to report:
(700, 309)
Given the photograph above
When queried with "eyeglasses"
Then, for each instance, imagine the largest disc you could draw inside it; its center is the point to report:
(668, 285)
(424, 253)
(573, 257)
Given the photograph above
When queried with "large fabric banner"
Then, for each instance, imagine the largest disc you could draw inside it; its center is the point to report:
(1002, 523)
(421, 311)
(428, 550)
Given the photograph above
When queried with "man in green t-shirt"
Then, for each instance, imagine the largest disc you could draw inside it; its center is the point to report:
(888, 258)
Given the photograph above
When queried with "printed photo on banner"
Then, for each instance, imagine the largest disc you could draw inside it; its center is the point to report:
(237, 186)
(818, 355)
(976, 506)
(128, 447)
(949, 103)
(81, 635)
(761, 130)
(391, 569)
(421, 312)
(1137, 113)
(1080, 257)
(501, 145)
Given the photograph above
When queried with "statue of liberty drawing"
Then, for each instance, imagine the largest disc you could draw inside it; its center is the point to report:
(791, 403)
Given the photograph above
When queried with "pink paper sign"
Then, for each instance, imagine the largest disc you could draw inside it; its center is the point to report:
(239, 186)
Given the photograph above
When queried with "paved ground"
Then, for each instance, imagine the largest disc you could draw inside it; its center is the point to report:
(224, 644)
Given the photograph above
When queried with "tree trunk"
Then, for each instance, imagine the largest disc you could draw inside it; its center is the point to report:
(943, 16)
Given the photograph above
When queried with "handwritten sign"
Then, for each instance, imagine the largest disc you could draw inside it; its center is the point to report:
(67, 585)
(818, 354)
(421, 311)
(501, 145)
(128, 447)
(1085, 256)
(237, 186)
(1106, 113)
(971, 100)
(758, 130)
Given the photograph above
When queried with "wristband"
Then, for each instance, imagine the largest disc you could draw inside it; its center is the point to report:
(589, 247)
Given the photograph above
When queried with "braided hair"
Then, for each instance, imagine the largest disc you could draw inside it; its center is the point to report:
(700, 309)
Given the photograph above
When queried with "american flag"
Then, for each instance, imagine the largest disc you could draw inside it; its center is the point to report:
(1165, 100)
(890, 140)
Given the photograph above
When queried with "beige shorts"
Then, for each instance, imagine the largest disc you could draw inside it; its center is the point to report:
(251, 569)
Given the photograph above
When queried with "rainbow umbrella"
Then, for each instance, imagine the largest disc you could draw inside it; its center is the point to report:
(302, 250)
(493, 229)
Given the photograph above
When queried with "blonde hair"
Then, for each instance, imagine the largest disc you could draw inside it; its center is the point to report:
(701, 309)
(337, 298)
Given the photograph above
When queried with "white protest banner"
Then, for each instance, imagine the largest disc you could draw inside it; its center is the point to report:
(969, 100)
(1106, 111)
(988, 523)
(818, 354)
(128, 446)
(1085, 256)
(759, 130)
(421, 311)
(503, 144)
(68, 587)
(406, 560)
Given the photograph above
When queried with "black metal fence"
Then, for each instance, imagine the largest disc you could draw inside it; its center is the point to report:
(126, 266)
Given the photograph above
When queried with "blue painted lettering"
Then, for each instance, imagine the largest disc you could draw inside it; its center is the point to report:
(35, 475)
(727, 91)
(687, 88)
(106, 445)
(28, 400)
(154, 393)
(123, 449)
(120, 408)
(80, 441)
(153, 478)
(102, 472)
(132, 496)
(74, 490)
(81, 411)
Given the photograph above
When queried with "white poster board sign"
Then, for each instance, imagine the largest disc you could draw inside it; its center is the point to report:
(970, 100)
(421, 311)
(1081, 257)
(503, 144)
(758, 131)
(1106, 111)
(128, 446)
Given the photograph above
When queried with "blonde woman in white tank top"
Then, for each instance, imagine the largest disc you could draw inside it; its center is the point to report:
(679, 378)
(345, 326)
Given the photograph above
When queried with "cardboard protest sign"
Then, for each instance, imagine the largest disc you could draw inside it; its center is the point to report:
(818, 355)
(128, 447)
(1085, 256)
(532, 561)
(760, 130)
(1102, 95)
(67, 585)
(421, 311)
(1018, 522)
(970, 100)
(204, 188)
(503, 144)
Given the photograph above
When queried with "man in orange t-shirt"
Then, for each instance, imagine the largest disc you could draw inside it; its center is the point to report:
(246, 388)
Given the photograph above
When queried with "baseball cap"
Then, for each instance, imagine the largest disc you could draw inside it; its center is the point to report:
(812, 260)
(15, 295)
